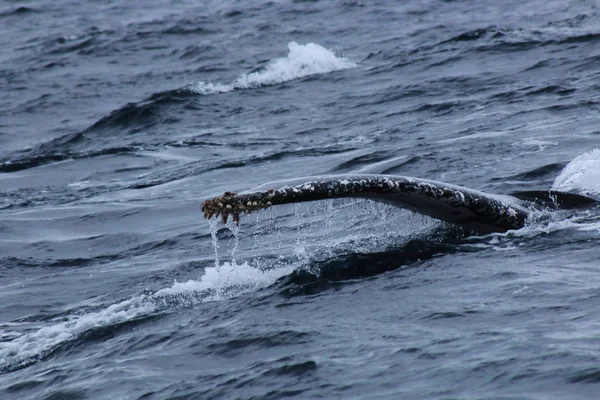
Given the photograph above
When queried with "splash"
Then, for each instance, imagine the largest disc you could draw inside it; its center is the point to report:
(302, 60)
(582, 174)
(224, 282)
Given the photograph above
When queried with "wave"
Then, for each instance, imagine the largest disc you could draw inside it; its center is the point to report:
(99, 138)
(219, 282)
(356, 265)
(301, 61)
(494, 39)
(36, 157)
(476, 34)
(18, 11)
(538, 173)
(140, 117)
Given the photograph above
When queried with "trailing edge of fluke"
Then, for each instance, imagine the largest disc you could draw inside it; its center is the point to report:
(474, 210)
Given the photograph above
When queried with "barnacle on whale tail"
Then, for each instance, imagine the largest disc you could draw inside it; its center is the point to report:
(232, 204)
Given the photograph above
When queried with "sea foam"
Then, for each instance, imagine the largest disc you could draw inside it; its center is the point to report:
(218, 283)
(301, 61)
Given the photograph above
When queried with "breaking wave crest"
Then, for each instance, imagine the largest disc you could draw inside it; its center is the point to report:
(301, 61)
(18, 350)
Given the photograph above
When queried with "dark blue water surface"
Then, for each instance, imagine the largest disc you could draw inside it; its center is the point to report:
(117, 119)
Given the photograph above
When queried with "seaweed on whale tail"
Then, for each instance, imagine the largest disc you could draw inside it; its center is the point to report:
(472, 209)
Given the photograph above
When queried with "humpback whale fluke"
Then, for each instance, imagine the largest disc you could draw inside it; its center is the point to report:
(474, 210)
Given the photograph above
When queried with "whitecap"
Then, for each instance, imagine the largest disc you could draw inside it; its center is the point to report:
(301, 61)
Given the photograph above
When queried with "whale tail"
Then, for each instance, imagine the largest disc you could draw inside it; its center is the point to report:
(556, 200)
(474, 210)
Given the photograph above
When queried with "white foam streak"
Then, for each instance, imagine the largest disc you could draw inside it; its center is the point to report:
(582, 174)
(34, 345)
(302, 60)
(218, 283)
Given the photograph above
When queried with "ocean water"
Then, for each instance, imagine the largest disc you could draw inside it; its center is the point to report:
(117, 119)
